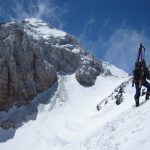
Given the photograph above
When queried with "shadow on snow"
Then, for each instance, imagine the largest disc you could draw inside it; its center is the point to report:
(19, 116)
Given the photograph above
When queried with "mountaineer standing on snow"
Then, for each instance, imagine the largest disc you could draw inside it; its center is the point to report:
(140, 74)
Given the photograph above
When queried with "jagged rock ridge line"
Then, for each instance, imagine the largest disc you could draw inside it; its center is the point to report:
(31, 54)
(117, 95)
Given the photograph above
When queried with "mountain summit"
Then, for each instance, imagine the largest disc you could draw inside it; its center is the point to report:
(32, 54)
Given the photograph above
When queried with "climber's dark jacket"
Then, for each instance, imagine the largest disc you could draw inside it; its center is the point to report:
(140, 74)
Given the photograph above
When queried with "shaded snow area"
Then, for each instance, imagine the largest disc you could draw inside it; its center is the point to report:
(39, 29)
(71, 121)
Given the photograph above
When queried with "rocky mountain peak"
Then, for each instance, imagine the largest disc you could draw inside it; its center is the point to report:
(31, 55)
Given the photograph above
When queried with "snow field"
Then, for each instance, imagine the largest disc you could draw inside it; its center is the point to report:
(71, 121)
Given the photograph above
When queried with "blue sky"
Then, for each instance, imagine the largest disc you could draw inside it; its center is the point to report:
(110, 29)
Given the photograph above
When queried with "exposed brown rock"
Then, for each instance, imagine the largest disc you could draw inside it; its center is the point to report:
(23, 71)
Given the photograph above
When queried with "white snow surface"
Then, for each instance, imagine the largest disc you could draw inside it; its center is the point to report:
(114, 70)
(71, 121)
(39, 29)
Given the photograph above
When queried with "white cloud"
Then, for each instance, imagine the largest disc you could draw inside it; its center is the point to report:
(86, 34)
(43, 9)
(122, 47)
(118, 47)
(86, 29)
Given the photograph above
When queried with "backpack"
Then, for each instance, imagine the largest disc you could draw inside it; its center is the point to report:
(137, 73)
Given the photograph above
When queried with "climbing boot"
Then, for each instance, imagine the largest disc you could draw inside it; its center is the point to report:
(147, 96)
(137, 102)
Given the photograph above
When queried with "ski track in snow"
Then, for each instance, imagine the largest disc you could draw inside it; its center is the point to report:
(71, 121)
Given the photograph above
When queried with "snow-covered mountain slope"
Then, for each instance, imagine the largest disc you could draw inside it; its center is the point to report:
(65, 117)
(71, 121)
(114, 70)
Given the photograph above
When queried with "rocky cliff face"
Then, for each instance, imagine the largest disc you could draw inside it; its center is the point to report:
(31, 54)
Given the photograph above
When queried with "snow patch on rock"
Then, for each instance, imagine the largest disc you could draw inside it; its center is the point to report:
(42, 30)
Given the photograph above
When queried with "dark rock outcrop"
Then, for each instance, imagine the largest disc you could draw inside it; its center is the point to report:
(7, 125)
(117, 96)
(89, 70)
(23, 70)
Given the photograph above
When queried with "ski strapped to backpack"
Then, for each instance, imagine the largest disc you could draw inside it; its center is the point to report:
(141, 53)
(140, 58)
